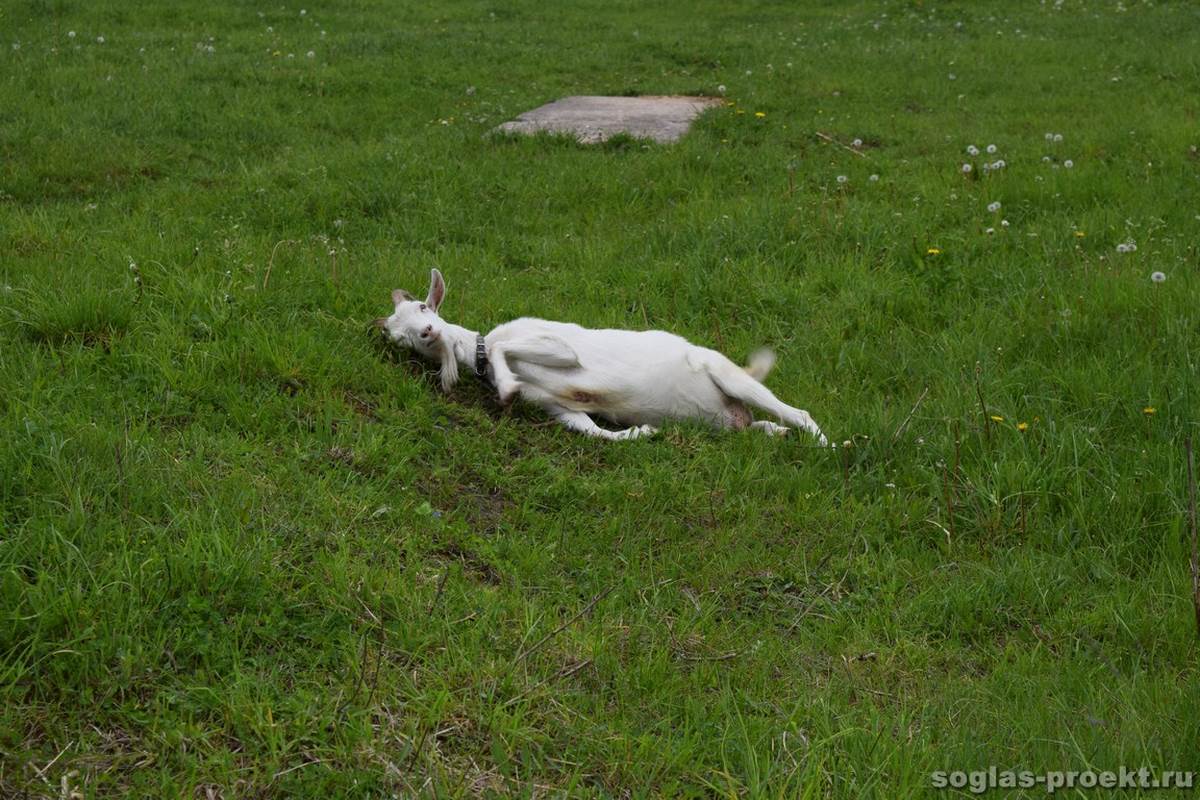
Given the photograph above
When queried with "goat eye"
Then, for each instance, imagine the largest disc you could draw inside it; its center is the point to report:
(423, 308)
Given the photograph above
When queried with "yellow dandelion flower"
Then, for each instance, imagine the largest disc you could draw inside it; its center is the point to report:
(759, 114)
(996, 418)
(1149, 411)
(1080, 234)
(933, 251)
(741, 111)
(1022, 426)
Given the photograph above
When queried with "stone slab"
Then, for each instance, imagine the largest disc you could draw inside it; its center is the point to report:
(593, 118)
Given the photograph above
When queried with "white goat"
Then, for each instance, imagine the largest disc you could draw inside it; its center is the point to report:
(635, 378)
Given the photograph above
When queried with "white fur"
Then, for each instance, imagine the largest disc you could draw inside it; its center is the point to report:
(634, 378)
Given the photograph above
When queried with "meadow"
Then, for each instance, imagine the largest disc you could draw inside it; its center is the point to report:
(248, 549)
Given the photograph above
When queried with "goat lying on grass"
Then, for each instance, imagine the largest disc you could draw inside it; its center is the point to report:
(636, 378)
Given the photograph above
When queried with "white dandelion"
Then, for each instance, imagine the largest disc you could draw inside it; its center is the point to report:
(972, 150)
(1058, 137)
(99, 40)
(721, 88)
(994, 206)
(856, 143)
(842, 179)
(873, 178)
(1003, 223)
(990, 231)
(966, 168)
(1000, 164)
(310, 54)
(991, 148)
(1068, 163)
(1049, 137)
(1158, 277)
(70, 34)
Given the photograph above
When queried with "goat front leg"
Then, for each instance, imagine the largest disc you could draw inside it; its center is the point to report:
(582, 423)
(507, 385)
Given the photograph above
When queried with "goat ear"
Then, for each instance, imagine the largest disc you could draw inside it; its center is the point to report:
(437, 289)
(399, 296)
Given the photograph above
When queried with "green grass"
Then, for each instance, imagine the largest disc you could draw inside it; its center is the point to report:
(247, 550)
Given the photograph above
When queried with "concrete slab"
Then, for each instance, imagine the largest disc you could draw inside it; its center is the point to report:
(592, 118)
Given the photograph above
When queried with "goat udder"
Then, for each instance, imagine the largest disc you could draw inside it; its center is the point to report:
(737, 416)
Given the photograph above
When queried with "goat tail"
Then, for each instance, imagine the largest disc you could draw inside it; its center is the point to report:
(761, 362)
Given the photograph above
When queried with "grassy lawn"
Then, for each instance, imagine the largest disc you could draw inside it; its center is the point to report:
(249, 550)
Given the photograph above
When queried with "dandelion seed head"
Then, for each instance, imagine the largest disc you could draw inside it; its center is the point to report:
(1158, 277)
(70, 34)
(966, 168)
(1058, 137)
(99, 40)
(310, 54)
(991, 148)
(873, 178)
(856, 143)
(990, 231)
(972, 150)
(842, 179)
(1003, 223)
(994, 206)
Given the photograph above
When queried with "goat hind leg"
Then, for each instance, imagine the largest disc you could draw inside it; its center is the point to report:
(770, 428)
(740, 386)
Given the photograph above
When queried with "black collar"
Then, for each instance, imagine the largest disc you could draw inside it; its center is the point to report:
(481, 359)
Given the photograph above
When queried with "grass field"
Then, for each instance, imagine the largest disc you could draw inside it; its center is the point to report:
(249, 550)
